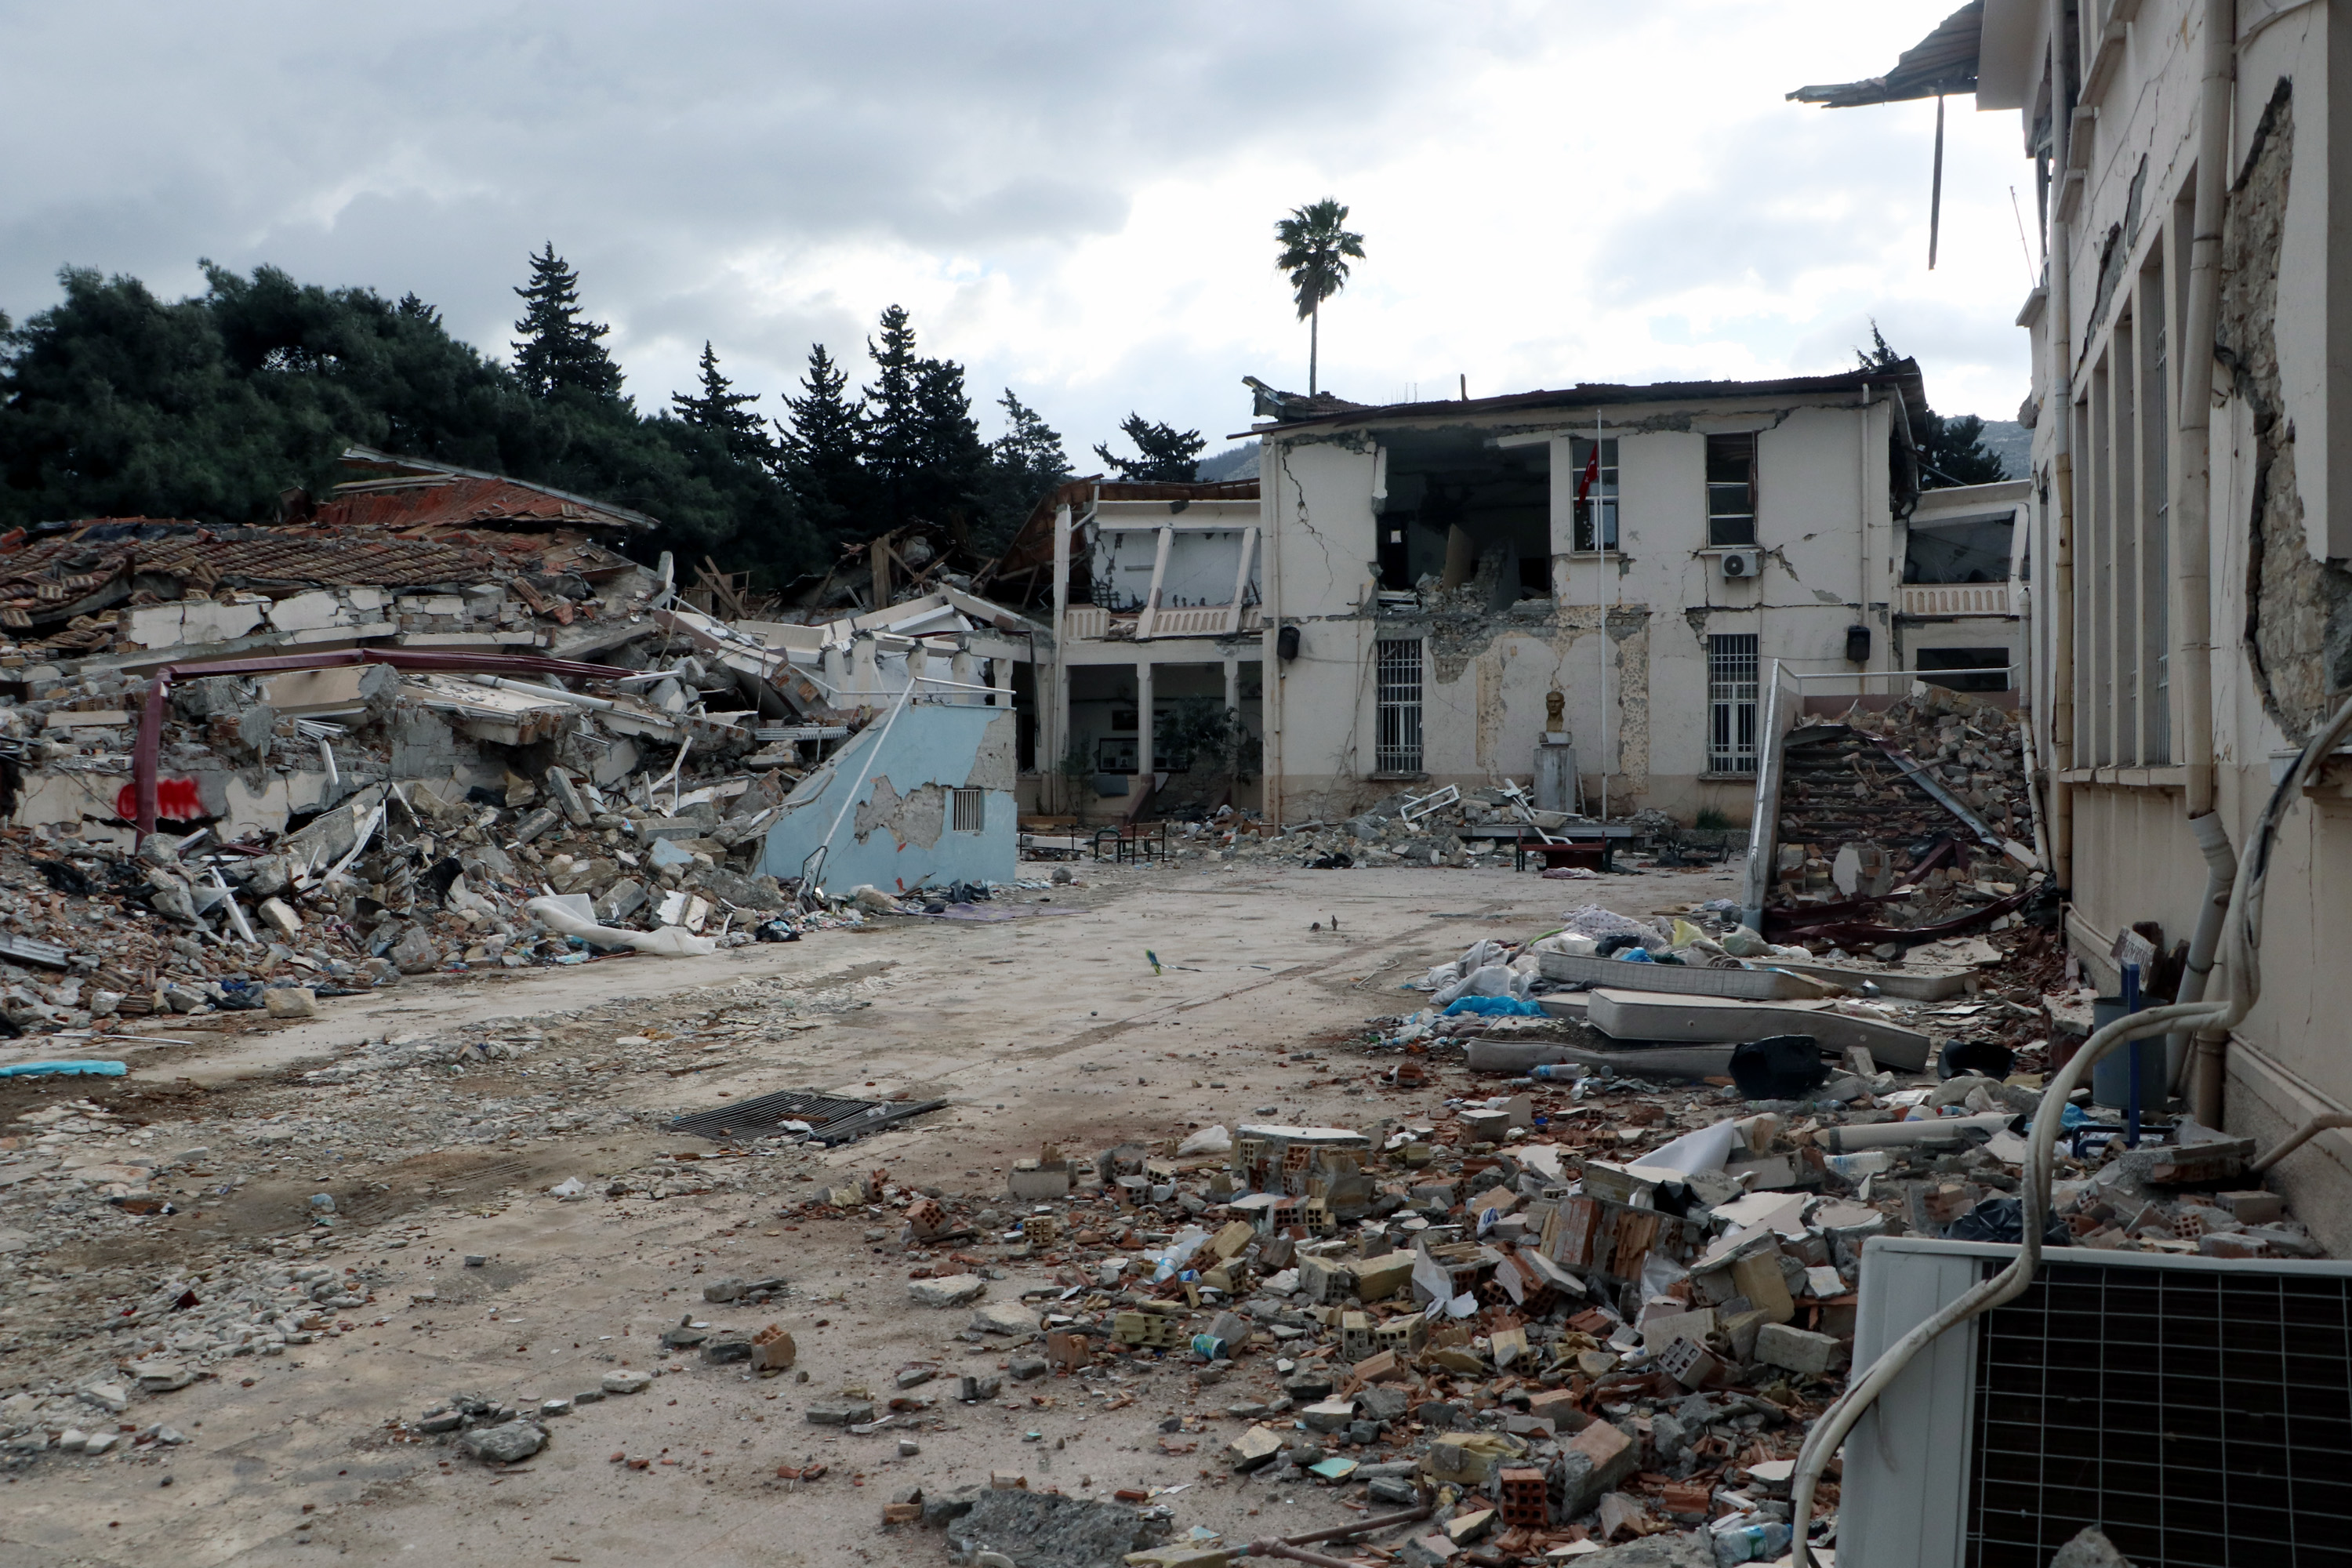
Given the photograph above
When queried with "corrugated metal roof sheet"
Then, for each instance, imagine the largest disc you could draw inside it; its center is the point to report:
(1942, 63)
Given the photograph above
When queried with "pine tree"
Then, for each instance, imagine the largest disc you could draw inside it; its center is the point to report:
(1165, 453)
(1954, 452)
(893, 443)
(952, 461)
(1023, 464)
(721, 408)
(824, 447)
(1029, 445)
(558, 351)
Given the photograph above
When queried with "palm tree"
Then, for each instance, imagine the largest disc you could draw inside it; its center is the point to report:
(1314, 252)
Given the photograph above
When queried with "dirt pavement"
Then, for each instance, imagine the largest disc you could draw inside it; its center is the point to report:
(1049, 1028)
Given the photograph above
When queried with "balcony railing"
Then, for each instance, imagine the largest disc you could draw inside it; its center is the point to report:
(1093, 622)
(1957, 599)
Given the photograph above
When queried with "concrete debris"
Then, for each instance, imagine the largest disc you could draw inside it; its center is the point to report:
(1042, 1530)
(459, 715)
(1481, 827)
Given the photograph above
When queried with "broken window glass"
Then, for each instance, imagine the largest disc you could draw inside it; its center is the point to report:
(1731, 488)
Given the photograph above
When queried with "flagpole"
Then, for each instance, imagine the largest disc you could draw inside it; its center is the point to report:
(1600, 547)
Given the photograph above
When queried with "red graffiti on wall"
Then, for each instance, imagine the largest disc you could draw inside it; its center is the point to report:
(176, 800)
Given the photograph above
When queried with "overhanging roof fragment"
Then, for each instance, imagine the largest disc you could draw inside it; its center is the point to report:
(1942, 64)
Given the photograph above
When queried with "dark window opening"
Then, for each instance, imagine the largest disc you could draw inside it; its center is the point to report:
(1454, 500)
(1731, 488)
(1962, 550)
(1995, 660)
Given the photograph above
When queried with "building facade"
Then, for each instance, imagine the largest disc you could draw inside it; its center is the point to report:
(1440, 579)
(2191, 410)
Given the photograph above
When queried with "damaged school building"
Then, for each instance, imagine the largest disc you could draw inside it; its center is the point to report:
(1584, 585)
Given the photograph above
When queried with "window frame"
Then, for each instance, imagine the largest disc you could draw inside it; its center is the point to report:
(1734, 687)
(1735, 519)
(1610, 497)
(1398, 693)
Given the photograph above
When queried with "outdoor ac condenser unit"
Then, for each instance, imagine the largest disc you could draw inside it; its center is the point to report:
(2199, 1411)
(1741, 563)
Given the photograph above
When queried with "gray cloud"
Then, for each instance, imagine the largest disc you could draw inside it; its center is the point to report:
(432, 148)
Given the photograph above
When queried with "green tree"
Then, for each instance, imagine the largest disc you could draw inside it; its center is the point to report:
(1954, 452)
(719, 408)
(1316, 249)
(824, 444)
(1024, 463)
(1164, 452)
(893, 441)
(924, 459)
(952, 461)
(558, 351)
(115, 403)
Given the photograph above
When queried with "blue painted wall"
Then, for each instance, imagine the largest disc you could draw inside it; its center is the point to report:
(899, 836)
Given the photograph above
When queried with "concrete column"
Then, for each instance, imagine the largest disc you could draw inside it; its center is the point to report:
(1052, 683)
(1233, 684)
(959, 671)
(1144, 761)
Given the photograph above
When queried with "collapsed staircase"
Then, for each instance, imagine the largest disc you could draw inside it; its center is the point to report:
(1838, 787)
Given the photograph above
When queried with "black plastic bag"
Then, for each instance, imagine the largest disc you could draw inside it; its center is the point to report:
(1989, 1058)
(1779, 1067)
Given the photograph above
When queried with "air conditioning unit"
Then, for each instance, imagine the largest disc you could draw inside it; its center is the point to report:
(2193, 1408)
(1741, 563)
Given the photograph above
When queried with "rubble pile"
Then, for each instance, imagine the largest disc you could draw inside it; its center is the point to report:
(1400, 830)
(1857, 823)
(1589, 1309)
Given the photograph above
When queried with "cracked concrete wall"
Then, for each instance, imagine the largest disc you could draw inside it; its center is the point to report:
(2297, 626)
(899, 833)
(1830, 552)
(2281, 601)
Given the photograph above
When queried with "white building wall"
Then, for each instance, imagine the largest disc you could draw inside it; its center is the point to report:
(1637, 698)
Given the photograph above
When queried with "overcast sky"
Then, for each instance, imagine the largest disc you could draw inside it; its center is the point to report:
(1074, 200)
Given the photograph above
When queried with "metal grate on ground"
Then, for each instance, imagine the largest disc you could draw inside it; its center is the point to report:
(832, 1119)
(2201, 1419)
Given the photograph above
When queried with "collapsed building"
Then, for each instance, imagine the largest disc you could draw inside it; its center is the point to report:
(358, 740)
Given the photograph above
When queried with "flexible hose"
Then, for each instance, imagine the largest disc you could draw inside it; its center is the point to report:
(2242, 945)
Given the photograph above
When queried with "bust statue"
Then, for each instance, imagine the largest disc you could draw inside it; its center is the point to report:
(1555, 710)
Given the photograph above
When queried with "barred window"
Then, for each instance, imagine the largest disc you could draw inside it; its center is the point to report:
(967, 810)
(1731, 686)
(1397, 664)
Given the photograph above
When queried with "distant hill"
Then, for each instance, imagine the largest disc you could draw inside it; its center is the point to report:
(1232, 463)
(2012, 443)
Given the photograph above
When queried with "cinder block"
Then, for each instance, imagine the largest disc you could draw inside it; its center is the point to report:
(1798, 1350)
(2253, 1207)
(1378, 1278)
(1032, 1182)
(1758, 1277)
